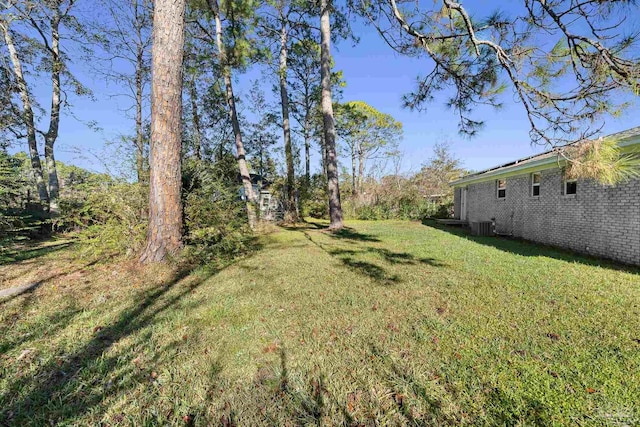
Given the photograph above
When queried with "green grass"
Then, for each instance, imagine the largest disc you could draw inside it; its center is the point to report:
(386, 323)
(23, 249)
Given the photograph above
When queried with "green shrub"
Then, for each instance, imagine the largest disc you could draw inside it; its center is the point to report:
(371, 212)
(215, 218)
(315, 197)
(74, 215)
(444, 210)
(110, 219)
(9, 187)
(404, 208)
(9, 222)
(316, 209)
(216, 224)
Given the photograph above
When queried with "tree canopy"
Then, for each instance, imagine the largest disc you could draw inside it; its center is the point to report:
(568, 63)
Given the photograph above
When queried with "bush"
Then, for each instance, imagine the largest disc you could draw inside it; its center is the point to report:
(444, 210)
(9, 223)
(110, 219)
(314, 198)
(316, 209)
(405, 209)
(216, 224)
(371, 212)
(214, 216)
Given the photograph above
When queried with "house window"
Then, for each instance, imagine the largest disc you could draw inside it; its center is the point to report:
(501, 187)
(570, 186)
(535, 184)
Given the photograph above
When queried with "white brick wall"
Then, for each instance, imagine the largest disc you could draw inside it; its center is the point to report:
(599, 220)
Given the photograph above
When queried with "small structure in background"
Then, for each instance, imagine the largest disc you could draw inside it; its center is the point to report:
(437, 199)
(270, 206)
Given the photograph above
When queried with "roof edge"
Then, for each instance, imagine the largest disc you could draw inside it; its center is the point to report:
(540, 164)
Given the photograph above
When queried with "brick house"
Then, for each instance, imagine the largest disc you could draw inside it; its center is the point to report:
(531, 199)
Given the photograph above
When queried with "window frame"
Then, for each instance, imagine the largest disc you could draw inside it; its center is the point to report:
(564, 187)
(498, 189)
(535, 185)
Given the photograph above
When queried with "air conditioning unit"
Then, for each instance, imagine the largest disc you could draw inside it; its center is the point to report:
(482, 228)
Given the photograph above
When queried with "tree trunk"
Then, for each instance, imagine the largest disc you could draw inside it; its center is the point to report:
(139, 125)
(354, 182)
(195, 117)
(361, 161)
(307, 149)
(165, 181)
(335, 207)
(260, 161)
(54, 186)
(261, 157)
(242, 161)
(323, 152)
(54, 120)
(141, 172)
(27, 115)
(292, 212)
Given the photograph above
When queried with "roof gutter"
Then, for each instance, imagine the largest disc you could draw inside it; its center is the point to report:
(540, 164)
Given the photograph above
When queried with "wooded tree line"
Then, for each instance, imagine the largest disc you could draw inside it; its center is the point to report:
(569, 63)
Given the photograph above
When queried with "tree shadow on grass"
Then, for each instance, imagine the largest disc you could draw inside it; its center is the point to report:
(307, 400)
(303, 400)
(306, 225)
(52, 324)
(350, 234)
(48, 326)
(63, 389)
(8, 256)
(57, 381)
(504, 410)
(371, 270)
(401, 381)
(391, 257)
(497, 408)
(29, 292)
(345, 233)
(315, 225)
(307, 407)
(366, 268)
(530, 249)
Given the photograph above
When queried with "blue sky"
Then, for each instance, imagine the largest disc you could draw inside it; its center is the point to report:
(376, 74)
(373, 73)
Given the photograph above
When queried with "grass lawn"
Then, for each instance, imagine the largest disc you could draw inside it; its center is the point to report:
(386, 323)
